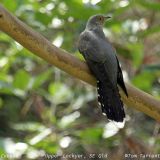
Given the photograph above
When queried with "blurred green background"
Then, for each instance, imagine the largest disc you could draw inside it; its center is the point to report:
(46, 112)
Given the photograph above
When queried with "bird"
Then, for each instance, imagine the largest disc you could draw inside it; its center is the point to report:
(101, 58)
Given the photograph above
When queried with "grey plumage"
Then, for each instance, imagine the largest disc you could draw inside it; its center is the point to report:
(103, 63)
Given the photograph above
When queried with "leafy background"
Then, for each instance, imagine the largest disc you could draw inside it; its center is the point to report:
(46, 111)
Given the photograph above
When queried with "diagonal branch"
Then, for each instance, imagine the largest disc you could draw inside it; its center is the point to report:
(41, 47)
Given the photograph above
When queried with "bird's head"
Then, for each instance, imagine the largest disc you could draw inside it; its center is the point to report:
(97, 21)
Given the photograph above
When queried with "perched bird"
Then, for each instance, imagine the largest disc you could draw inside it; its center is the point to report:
(103, 63)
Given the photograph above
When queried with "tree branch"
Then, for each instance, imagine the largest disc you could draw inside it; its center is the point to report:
(41, 47)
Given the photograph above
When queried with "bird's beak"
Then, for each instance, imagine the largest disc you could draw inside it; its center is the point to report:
(107, 17)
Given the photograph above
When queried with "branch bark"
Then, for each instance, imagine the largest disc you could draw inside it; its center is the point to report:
(41, 47)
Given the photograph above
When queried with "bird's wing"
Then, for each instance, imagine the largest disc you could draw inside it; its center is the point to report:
(88, 45)
(120, 80)
(98, 52)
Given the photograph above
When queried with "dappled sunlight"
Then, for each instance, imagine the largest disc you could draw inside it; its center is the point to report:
(66, 120)
(58, 41)
(65, 141)
(14, 150)
(43, 134)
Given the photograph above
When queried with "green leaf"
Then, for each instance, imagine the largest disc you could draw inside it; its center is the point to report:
(150, 5)
(21, 80)
(144, 80)
(41, 78)
(137, 53)
(45, 19)
(60, 91)
(50, 146)
(9, 5)
(54, 87)
(91, 135)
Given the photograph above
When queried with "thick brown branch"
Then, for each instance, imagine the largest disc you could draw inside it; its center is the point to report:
(40, 46)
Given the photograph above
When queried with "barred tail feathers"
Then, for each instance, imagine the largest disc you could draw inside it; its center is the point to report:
(110, 102)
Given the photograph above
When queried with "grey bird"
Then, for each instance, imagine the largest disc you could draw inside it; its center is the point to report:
(103, 63)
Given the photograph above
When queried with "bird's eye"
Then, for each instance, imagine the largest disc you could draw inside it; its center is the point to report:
(100, 18)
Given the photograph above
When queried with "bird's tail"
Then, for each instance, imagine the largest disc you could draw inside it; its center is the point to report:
(110, 102)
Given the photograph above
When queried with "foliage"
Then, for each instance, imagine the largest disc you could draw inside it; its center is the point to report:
(45, 111)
